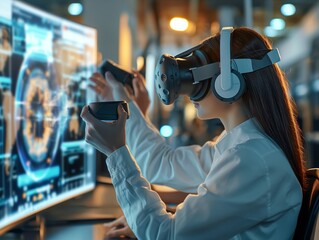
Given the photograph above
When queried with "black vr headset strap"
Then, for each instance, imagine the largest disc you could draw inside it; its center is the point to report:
(188, 52)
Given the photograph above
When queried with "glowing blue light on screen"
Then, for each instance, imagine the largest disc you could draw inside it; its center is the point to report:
(166, 131)
(288, 9)
(75, 9)
(48, 173)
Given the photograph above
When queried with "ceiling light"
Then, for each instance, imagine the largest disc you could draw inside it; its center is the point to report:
(166, 131)
(270, 32)
(278, 23)
(288, 9)
(179, 24)
(301, 90)
(75, 9)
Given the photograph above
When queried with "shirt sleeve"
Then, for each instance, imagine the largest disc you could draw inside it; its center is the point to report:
(235, 197)
(159, 162)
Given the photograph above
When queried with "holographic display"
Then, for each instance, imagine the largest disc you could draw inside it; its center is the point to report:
(45, 63)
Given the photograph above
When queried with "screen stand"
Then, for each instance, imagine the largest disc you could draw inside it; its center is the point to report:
(40, 222)
(35, 228)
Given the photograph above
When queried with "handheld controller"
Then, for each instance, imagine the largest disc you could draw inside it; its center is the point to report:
(106, 111)
(120, 74)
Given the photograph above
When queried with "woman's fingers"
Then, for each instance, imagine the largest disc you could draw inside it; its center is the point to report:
(101, 134)
(87, 116)
(98, 80)
(96, 89)
(101, 87)
(118, 228)
(119, 232)
(115, 224)
(122, 115)
(112, 80)
(129, 90)
(136, 86)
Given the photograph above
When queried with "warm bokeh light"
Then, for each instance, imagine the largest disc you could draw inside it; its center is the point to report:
(179, 24)
(125, 42)
(215, 27)
(139, 62)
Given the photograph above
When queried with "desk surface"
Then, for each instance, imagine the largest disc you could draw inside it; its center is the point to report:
(98, 205)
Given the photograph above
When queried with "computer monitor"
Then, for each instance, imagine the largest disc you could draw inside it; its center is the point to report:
(45, 63)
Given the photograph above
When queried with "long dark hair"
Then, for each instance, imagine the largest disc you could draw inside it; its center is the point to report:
(267, 95)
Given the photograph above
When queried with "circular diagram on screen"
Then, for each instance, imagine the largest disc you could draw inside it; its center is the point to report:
(39, 108)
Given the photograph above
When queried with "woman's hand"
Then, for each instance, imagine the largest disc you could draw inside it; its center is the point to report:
(105, 136)
(108, 88)
(118, 228)
(140, 96)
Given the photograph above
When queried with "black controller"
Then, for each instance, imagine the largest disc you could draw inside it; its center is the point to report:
(120, 74)
(105, 111)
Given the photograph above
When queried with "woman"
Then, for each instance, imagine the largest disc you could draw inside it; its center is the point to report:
(249, 182)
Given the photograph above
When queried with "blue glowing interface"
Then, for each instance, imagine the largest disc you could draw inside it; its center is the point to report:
(45, 62)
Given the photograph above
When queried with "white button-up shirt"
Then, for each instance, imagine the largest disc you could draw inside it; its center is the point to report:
(244, 185)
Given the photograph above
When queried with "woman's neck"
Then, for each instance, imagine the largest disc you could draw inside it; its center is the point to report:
(237, 114)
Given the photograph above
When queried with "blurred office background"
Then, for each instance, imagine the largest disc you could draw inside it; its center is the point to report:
(135, 33)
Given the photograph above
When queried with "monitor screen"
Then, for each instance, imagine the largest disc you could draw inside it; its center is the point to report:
(45, 63)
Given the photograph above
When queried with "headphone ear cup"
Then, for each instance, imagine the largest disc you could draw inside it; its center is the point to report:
(234, 93)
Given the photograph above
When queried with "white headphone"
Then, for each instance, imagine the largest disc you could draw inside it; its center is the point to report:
(228, 84)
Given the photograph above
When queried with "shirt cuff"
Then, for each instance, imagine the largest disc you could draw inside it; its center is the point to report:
(121, 165)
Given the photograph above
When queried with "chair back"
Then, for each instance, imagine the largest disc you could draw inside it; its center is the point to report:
(307, 220)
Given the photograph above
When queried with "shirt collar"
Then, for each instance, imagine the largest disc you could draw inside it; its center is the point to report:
(247, 130)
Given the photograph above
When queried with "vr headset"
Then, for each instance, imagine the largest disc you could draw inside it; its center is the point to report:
(189, 72)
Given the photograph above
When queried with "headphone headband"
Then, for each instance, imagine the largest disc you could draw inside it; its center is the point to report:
(225, 57)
